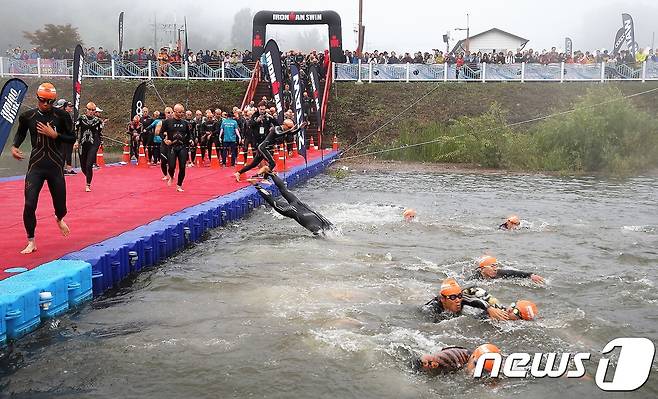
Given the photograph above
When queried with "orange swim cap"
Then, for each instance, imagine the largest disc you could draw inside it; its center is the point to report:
(47, 91)
(479, 351)
(527, 310)
(450, 286)
(409, 214)
(487, 261)
(513, 220)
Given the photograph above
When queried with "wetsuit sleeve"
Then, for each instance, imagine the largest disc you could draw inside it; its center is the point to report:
(67, 135)
(478, 298)
(281, 185)
(511, 273)
(21, 133)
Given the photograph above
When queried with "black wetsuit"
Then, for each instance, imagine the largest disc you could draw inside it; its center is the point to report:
(501, 273)
(135, 136)
(261, 127)
(89, 137)
(207, 137)
(178, 131)
(46, 162)
(276, 135)
(471, 296)
(147, 138)
(67, 149)
(295, 209)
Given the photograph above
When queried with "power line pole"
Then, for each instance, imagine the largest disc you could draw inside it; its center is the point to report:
(359, 47)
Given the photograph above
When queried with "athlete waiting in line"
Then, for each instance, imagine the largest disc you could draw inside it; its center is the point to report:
(488, 269)
(49, 128)
(295, 209)
(452, 298)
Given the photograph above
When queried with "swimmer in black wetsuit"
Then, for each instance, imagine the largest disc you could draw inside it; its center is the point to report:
(295, 209)
(511, 223)
(452, 298)
(277, 134)
(178, 136)
(488, 269)
(454, 358)
(49, 128)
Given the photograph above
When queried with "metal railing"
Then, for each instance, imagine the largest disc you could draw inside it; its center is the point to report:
(483, 72)
(126, 69)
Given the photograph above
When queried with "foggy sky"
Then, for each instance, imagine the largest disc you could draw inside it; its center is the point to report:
(399, 26)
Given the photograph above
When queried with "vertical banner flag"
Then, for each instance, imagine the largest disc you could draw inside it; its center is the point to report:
(317, 101)
(297, 90)
(138, 101)
(121, 33)
(620, 38)
(629, 32)
(78, 62)
(272, 59)
(568, 46)
(11, 98)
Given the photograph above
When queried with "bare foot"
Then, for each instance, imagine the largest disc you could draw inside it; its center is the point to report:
(237, 176)
(165, 178)
(63, 227)
(264, 170)
(169, 181)
(179, 189)
(31, 247)
(88, 188)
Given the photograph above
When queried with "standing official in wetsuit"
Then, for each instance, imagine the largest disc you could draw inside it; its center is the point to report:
(49, 128)
(276, 134)
(295, 209)
(89, 129)
(177, 135)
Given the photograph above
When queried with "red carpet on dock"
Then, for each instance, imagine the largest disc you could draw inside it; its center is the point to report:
(123, 198)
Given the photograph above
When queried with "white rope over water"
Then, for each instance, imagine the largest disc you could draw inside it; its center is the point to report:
(445, 138)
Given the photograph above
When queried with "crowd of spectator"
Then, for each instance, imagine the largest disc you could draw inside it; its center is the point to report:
(502, 57)
(164, 55)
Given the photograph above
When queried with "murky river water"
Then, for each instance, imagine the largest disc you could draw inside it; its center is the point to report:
(263, 309)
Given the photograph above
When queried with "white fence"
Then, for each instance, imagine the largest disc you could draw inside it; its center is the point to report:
(483, 72)
(126, 70)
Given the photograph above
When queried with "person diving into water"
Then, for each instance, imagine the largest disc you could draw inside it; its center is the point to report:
(295, 209)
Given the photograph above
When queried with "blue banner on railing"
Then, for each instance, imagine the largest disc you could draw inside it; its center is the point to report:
(11, 98)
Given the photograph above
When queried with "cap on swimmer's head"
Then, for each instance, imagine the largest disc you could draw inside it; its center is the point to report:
(47, 91)
(409, 214)
(513, 220)
(450, 286)
(479, 351)
(425, 363)
(487, 261)
(526, 310)
(288, 124)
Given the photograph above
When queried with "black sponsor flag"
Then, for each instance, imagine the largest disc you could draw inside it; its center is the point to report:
(78, 62)
(121, 33)
(187, 48)
(629, 33)
(11, 98)
(138, 101)
(297, 91)
(620, 38)
(317, 98)
(568, 46)
(272, 58)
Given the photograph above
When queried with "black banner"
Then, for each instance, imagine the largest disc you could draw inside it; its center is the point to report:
(317, 99)
(629, 33)
(568, 46)
(78, 62)
(187, 48)
(138, 101)
(272, 61)
(620, 38)
(121, 33)
(11, 98)
(297, 90)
